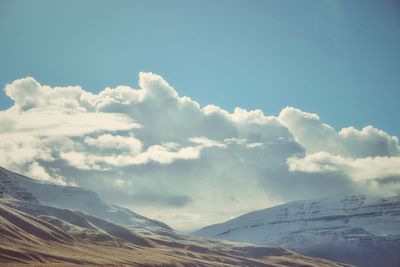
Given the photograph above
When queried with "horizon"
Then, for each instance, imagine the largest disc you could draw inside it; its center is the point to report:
(238, 105)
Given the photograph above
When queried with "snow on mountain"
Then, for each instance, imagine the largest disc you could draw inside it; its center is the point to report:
(16, 186)
(356, 229)
(46, 223)
(64, 237)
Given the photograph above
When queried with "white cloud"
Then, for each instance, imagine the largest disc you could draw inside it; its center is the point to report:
(108, 141)
(236, 141)
(36, 171)
(162, 154)
(359, 169)
(62, 123)
(198, 161)
(29, 94)
(255, 145)
(316, 136)
(369, 142)
(205, 142)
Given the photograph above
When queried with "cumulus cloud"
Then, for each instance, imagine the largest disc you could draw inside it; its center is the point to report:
(28, 94)
(163, 154)
(357, 168)
(316, 136)
(126, 151)
(115, 142)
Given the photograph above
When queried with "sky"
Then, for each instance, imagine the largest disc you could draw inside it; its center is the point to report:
(195, 112)
(339, 59)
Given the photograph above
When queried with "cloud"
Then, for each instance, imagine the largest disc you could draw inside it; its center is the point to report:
(28, 94)
(37, 171)
(163, 154)
(126, 151)
(159, 199)
(115, 142)
(357, 168)
(62, 123)
(316, 136)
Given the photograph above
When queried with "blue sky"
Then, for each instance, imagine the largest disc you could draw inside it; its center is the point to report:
(339, 59)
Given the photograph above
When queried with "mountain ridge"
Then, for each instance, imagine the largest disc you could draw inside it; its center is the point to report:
(356, 229)
(72, 197)
(35, 231)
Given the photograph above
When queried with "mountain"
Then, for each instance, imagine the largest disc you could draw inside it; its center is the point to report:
(356, 229)
(42, 223)
(44, 240)
(75, 198)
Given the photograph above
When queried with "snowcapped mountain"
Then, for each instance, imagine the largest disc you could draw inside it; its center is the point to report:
(64, 237)
(356, 229)
(47, 223)
(76, 198)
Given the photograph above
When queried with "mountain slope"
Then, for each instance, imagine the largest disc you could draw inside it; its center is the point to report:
(75, 198)
(360, 230)
(28, 239)
(31, 231)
